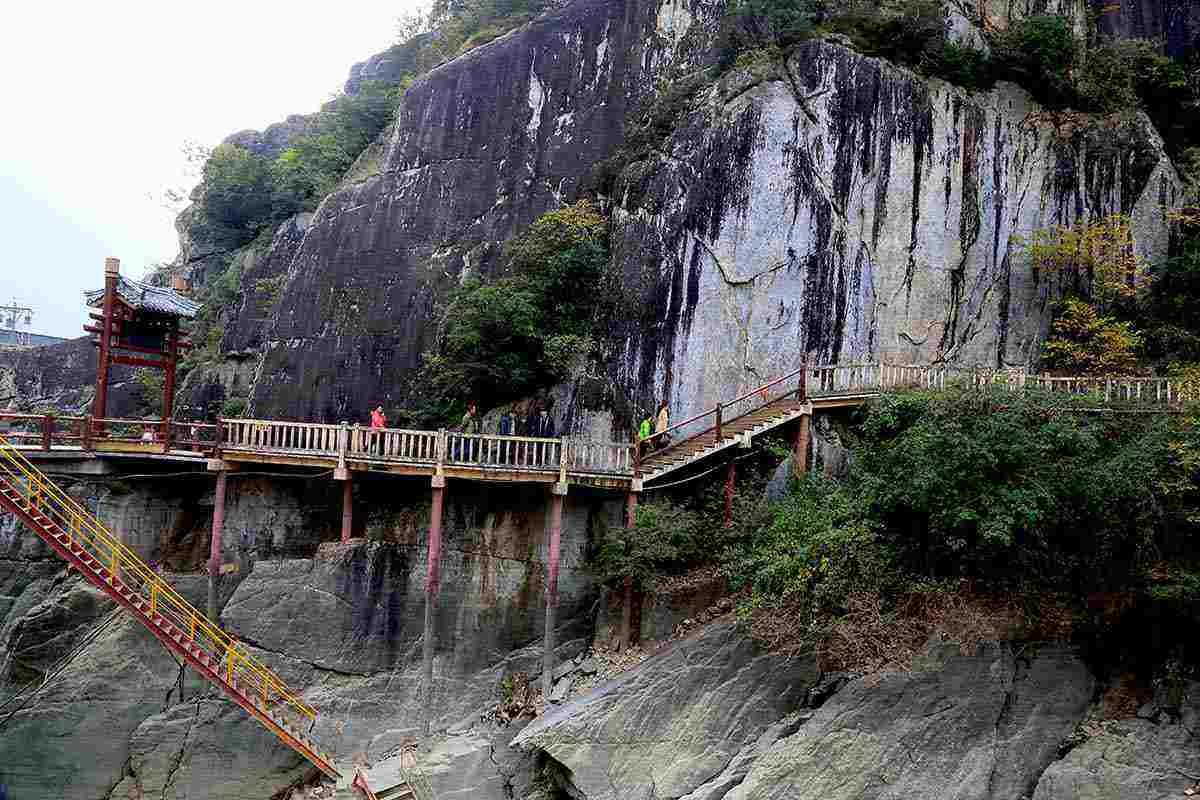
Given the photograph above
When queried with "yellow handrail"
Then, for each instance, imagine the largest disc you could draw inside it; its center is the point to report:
(85, 530)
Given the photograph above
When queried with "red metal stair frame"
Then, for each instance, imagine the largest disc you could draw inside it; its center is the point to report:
(178, 641)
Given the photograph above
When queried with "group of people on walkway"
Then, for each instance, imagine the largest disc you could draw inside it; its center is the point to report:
(652, 433)
(537, 423)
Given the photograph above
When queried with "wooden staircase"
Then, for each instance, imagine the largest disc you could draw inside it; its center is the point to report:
(773, 414)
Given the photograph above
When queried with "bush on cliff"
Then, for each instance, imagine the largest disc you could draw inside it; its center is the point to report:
(243, 193)
(509, 337)
(1016, 498)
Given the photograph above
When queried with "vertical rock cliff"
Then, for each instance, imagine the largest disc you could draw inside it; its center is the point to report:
(836, 207)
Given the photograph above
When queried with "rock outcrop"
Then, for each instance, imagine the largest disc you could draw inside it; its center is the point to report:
(708, 719)
(838, 206)
(341, 622)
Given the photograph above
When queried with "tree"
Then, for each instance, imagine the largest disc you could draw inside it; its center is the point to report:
(760, 23)
(1082, 342)
(1098, 257)
(236, 195)
(511, 336)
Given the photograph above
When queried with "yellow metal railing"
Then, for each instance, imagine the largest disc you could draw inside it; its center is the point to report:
(252, 677)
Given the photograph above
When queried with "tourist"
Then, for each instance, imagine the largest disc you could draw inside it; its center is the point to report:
(378, 420)
(662, 438)
(645, 430)
(505, 428)
(470, 421)
(543, 426)
(147, 433)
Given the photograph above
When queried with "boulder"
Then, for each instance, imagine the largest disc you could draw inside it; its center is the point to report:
(1132, 758)
(979, 726)
(666, 727)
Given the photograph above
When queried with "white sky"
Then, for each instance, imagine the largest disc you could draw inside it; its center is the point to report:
(98, 98)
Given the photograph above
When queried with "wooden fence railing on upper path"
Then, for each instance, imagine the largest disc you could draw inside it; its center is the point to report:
(566, 456)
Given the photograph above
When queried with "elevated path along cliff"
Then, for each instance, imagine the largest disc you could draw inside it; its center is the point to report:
(619, 466)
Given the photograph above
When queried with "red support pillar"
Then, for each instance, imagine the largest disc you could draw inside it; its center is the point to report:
(168, 400)
(631, 503)
(112, 270)
(800, 457)
(432, 584)
(730, 477)
(347, 509)
(556, 507)
(214, 558)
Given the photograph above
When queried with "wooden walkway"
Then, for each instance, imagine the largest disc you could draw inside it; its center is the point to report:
(349, 449)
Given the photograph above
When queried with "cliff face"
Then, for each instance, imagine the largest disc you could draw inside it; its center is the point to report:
(848, 211)
(483, 145)
(840, 209)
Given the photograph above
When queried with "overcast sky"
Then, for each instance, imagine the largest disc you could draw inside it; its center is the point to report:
(99, 99)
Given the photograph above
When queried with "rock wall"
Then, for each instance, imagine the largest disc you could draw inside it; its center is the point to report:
(483, 145)
(711, 719)
(849, 211)
(341, 622)
(63, 376)
(841, 208)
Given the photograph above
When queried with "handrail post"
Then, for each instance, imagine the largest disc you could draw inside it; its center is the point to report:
(802, 389)
(87, 434)
(718, 426)
(637, 454)
(218, 438)
(47, 430)
(168, 435)
(562, 460)
(343, 443)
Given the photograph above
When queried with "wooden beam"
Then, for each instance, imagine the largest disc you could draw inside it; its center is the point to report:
(130, 361)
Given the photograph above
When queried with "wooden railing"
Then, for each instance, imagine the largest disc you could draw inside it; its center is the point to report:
(566, 455)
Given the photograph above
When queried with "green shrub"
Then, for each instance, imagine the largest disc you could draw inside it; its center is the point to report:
(236, 194)
(758, 23)
(1038, 53)
(234, 407)
(506, 338)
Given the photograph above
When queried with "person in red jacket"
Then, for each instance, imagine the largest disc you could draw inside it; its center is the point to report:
(378, 420)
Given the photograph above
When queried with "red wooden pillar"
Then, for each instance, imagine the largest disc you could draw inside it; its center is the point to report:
(112, 270)
(800, 457)
(168, 400)
(730, 477)
(432, 585)
(214, 558)
(556, 507)
(631, 503)
(347, 509)
(47, 431)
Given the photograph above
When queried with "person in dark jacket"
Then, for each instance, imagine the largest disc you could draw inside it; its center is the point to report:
(543, 426)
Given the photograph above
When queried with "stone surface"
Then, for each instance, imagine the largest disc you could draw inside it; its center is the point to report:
(956, 726)
(850, 211)
(344, 626)
(1132, 758)
(666, 727)
(483, 145)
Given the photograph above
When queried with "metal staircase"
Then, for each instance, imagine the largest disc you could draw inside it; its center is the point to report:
(83, 542)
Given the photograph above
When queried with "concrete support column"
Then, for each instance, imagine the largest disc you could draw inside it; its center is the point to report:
(556, 509)
(347, 509)
(730, 477)
(432, 585)
(214, 558)
(803, 435)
